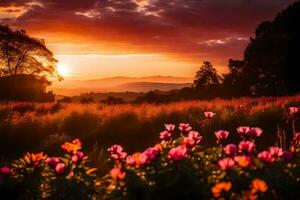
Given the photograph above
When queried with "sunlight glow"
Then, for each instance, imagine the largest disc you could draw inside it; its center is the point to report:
(63, 69)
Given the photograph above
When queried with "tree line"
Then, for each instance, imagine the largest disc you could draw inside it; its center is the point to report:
(270, 66)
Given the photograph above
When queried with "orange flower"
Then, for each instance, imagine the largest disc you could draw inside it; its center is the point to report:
(217, 189)
(139, 158)
(243, 161)
(72, 147)
(116, 173)
(258, 185)
(34, 159)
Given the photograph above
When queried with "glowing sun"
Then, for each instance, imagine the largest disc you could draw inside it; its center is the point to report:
(63, 69)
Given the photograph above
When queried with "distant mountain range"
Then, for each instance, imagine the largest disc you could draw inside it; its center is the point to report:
(121, 84)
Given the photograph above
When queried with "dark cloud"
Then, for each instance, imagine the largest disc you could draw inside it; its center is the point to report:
(215, 29)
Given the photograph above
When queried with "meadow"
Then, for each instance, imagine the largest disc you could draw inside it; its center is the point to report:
(32, 127)
(232, 149)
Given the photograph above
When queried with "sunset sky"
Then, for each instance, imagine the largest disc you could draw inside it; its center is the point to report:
(104, 38)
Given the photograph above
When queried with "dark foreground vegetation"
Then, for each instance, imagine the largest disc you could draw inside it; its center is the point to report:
(182, 164)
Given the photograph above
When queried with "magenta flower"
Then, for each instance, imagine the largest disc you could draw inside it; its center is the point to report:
(185, 127)
(209, 114)
(77, 157)
(196, 136)
(165, 135)
(221, 134)
(117, 152)
(129, 160)
(115, 148)
(247, 146)
(178, 153)
(293, 110)
(265, 156)
(192, 139)
(169, 127)
(189, 141)
(151, 153)
(60, 168)
(276, 151)
(244, 130)
(52, 161)
(5, 171)
(255, 132)
(226, 163)
(230, 149)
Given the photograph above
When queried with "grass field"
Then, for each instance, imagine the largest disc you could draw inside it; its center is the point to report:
(34, 127)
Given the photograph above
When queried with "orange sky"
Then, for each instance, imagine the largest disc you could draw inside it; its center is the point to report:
(104, 38)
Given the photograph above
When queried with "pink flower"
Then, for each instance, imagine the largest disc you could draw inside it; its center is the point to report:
(129, 160)
(136, 159)
(60, 168)
(226, 163)
(165, 135)
(189, 141)
(192, 139)
(209, 114)
(247, 146)
(287, 156)
(178, 153)
(276, 151)
(151, 154)
(255, 132)
(117, 174)
(52, 161)
(169, 127)
(185, 127)
(265, 156)
(221, 134)
(77, 142)
(115, 148)
(293, 110)
(5, 171)
(117, 152)
(77, 157)
(196, 136)
(243, 130)
(230, 149)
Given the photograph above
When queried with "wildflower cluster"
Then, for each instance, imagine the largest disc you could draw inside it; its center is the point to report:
(176, 167)
(226, 171)
(38, 176)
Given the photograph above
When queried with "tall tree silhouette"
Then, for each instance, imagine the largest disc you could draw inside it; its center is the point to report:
(25, 66)
(22, 54)
(207, 75)
(271, 60)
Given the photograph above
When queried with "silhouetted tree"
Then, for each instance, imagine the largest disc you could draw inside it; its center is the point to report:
(207, 75)
(25, 65)
(22, 54)
(271, 60)
(22, 87)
